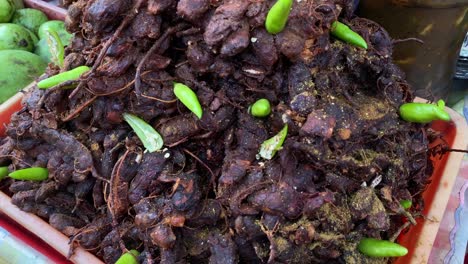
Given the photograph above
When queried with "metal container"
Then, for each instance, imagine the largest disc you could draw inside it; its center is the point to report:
(440, 24)
(462, 64)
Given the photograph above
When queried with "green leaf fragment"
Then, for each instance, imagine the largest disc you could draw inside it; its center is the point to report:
(56, 48)
(270, 146)
(150, 138)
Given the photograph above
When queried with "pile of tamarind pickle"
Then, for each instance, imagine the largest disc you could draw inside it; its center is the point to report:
(211, 131)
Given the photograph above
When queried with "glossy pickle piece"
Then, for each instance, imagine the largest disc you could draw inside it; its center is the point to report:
(381, 248)
(261, 108)
(278, 16)
(189, 98)
(343, 32)
(423, 113)
(70, 75)
(30, 174)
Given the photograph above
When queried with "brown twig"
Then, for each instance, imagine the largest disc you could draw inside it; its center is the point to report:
(128, 85)
(158, 99)
(109, 42)
(156, 45)
(96, 175)
(396, 41)
(79, 109)
(408, 215)
(60, 86)
(113, 196)
(273, 246)
(178, 142)
(212, 180)
(398, 232)
(456, 150)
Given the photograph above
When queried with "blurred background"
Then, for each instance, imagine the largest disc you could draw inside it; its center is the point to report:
(430, 44)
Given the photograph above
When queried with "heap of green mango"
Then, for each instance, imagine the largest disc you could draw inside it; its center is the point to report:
(24, 49)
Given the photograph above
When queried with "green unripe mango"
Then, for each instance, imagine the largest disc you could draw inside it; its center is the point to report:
(16, 37)
(18, 4)
(57, 26)
(33, 37)
(29, 18)
(43, 51)
(18, 69)
(7, 9)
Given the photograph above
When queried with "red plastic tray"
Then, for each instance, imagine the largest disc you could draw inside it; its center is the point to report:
(419, 240)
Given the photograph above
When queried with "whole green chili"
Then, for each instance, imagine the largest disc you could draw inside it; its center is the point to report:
(3, 172)
(150, 138)
(278, 15)
(189, 98)
(261, 108)
(343, 32)
(270, 146)
(424, 113)
(406, 204)
(62, 77)
(30, 174)
(56, 48)
(129, 257)
(381, 248)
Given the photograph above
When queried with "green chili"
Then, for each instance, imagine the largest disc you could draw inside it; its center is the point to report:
(30, 174)
(129, 257)
(278, 15)
(270, 146)
(56, 47)
(3, 172)
(406, 204)
(189, 98)
(424, 113)
(260, 108)
(150, 138)
(343, 32)
(381, 248)
(62, 77)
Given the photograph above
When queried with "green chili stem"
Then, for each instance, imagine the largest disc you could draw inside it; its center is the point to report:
(30, 174)
(278, 15)
(150, 138)
(423, 113)
(269, 147)
(63, 77)
(343, 32)
(189, 98)
(381, 248)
